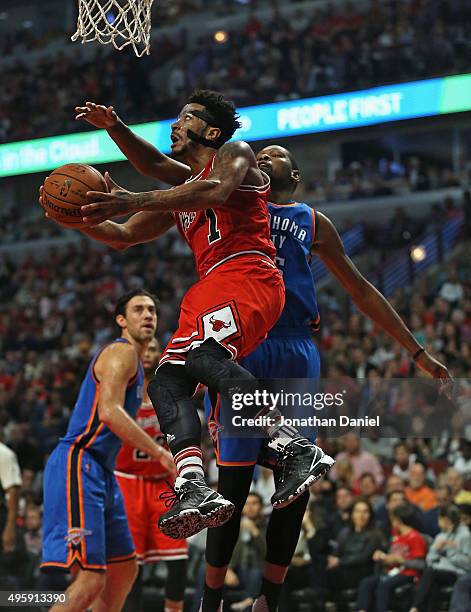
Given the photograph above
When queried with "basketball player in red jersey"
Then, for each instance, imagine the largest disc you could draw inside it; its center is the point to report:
(143, 480)
(221, 211)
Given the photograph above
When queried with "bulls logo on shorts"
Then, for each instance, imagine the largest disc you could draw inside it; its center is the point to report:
(219, 324)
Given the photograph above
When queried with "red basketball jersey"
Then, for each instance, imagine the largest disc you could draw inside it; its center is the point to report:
(218, 234)
(133, 461)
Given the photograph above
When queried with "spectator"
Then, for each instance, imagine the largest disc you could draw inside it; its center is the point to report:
(378, 445)
(245, 568)
(384, 514)
(461, 596)
(431, 517)
(417, 492)
(369, 490)
(33, 531)
(344, 474)
(10, 481)
(455, 480)
(448, 558)
(32, 534)
(308, 563)
(452, 290)
(12, 553)
(402, 563)
(394, 483)
(463, 460)
(361, 460)
(341, 516)
(353, 558)
(403, 460)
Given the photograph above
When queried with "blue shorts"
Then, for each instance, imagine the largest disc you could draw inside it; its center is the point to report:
(84, 517)
(284, 354)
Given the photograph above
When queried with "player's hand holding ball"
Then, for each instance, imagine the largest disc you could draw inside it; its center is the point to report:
(97, 114)
(115, 201)
(65, 191)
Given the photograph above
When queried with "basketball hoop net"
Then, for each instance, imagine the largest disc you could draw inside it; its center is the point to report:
(119, 22)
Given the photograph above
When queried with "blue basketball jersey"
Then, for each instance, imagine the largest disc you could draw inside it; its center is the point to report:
(85, 430)
(292, 228)
(289, 351)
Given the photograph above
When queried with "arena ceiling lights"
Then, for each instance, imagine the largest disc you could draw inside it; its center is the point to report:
(384, 104)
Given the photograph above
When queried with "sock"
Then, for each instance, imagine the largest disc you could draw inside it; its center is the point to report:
(271, 591)
(211, 599)
(189, 459)
(280, 435)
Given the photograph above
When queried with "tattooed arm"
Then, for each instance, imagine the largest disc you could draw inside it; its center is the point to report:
(234, 162)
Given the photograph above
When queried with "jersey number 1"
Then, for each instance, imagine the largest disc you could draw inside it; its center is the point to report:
(214, 234)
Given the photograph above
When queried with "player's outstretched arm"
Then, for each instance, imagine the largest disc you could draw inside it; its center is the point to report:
(114, 368)
(140, 227)
(328, 246)
(146, 158)
(231, 166)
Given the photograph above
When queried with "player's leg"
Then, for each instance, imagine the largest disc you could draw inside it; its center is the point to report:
(119, 580)
(283, 531)
(133, 491)
(160, 547)
(175, 585)
(208, 310)
(304, 461)
(120, 551)
(133, 601)
(295, 357)
(288, 355)
(196, 505)
(74, 525)
(234, 485)
(84, 590)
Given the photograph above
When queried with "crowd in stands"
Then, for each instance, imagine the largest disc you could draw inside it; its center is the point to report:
(26, 225)
(388, 508)
(381, 177)
(312, 52)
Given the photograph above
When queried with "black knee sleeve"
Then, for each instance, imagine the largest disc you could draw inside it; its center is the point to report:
(234, 485)
(176, 580)
(171, 391)
(210, 365)
(283, 531)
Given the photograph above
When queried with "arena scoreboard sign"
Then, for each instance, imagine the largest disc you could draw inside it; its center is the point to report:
(267, 121)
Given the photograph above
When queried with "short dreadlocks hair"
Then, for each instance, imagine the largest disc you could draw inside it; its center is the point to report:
(223, 110)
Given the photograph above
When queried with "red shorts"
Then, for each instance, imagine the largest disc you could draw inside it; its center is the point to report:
(236, 304)
(144, 508)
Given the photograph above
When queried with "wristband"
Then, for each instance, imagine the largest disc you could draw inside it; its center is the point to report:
(417, 353)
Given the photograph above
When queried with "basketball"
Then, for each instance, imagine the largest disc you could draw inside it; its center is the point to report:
(65, 191)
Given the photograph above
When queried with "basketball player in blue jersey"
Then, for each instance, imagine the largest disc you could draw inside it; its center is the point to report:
(85, 530)
(289, 352)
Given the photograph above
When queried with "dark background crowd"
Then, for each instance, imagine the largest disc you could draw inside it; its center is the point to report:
(310, 52)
